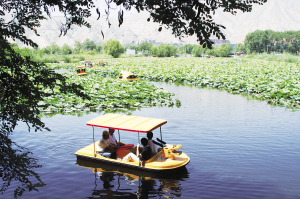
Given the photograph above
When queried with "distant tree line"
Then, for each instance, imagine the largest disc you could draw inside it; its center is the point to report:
(114, 48)
(167, 50)
(269, 41)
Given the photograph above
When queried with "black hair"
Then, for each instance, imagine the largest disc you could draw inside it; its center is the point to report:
(144, 141)
(149, 135)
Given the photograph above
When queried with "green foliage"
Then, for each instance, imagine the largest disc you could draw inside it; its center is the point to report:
(145, 46)
(270, 41)
(224, 50)
(88, 45)
(66, 49)
(166, 50)
(78, 47)
(21, 79)
(113, 48)
(186, 49)
(240, 48)
(198, 51)
(275, 82)
(55, 49)
(98, 48)
(134, 47)
(109, 95)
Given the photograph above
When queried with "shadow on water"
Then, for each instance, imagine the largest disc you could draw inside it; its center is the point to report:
(128, 183)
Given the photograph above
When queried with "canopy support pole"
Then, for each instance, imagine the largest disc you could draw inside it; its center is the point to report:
(160, 133)
(94, 142)
(119, 138)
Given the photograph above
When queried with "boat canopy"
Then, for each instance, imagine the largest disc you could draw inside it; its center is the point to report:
(126, 122)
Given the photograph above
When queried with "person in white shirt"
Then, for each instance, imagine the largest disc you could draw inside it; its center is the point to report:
(112, 138)
(104, 143)
(152, 146)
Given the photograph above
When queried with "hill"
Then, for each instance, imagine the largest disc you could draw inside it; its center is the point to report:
(275, 15)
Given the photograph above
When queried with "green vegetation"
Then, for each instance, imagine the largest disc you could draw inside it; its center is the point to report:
(288, 58)
(113, 48)
(270, 41)
(275, 82)
(109, 95)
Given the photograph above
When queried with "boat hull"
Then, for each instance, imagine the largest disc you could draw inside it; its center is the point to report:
(156, 163)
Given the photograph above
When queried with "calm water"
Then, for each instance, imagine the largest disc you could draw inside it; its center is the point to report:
(238, 149)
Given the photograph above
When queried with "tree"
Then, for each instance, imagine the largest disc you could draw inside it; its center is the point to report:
(21, 79)
(240, 48)
(55, 49)
(166, 50)
(88, 45)
(113, 48)
(145, 46)
(98, 48)
(77, 47)
(198, 51)
(224, 50)
(66, 49)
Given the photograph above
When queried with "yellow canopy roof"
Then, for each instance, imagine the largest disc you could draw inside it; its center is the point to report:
(126, 122)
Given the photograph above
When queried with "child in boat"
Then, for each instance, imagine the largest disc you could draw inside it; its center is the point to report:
(143, 156)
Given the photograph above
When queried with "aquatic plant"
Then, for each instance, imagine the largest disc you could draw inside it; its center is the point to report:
(276, 82)
(107, 94)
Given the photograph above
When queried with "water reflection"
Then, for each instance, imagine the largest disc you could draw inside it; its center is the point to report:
(116, 182)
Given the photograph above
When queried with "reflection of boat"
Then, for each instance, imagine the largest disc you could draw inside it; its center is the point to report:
(127, 76)
(168, 185)
(167, 159)
(80, 70)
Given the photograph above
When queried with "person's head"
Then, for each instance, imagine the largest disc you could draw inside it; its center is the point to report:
(105, 135)
(144, 141)
(111, 131)
(149, 135)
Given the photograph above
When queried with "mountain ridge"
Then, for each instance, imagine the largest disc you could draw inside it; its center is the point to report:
(275, 15)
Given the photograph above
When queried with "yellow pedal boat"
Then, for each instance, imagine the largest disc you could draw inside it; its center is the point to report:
(127, 76)
(167, 159)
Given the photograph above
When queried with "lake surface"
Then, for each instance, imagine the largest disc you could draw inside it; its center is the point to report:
(239, 148)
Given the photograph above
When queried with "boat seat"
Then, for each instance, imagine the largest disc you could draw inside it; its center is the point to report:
(102, 152)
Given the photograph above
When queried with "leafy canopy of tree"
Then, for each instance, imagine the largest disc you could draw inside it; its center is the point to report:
(21, 79)
(113, 48)
(268, 41)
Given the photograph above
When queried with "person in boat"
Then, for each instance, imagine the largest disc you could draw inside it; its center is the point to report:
(112, 138)
(105, 144)
(152, 146)
(143, 156)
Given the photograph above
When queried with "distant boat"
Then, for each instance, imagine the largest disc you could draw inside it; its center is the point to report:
(127, 76)
(80, 70)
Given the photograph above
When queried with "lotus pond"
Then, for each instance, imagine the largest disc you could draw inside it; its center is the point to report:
(276, 82)
(107, 94)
